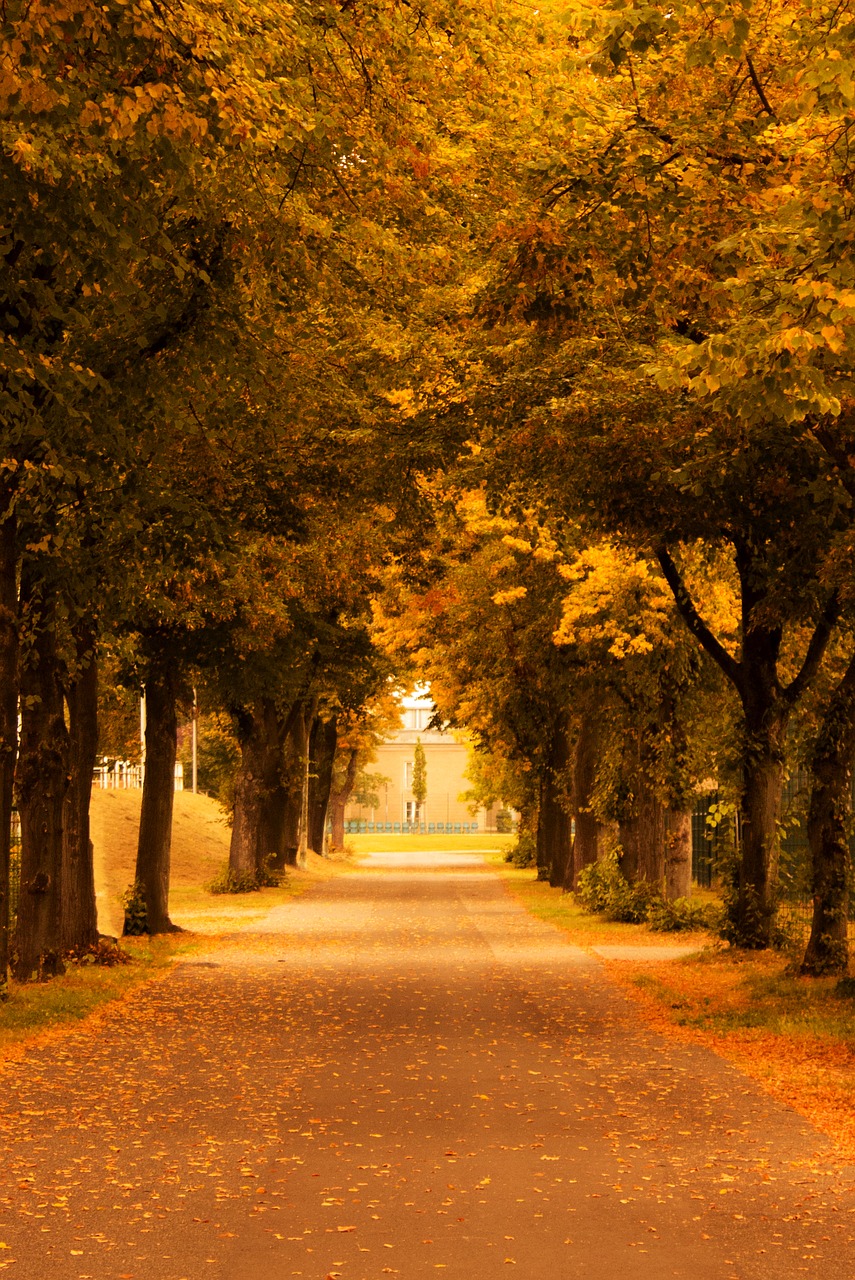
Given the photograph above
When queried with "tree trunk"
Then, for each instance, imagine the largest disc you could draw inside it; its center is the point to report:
(555, 814)
(155, 836)
(42, 783)
(271, 833)
(79, 911)
(642, 836)
(295, 730)
(8, 720)
(340, 796)
(752, 910)
(586, 844)
(322, 745)
(827, 827)
(249, 795)
(678, 854)
(541, 850)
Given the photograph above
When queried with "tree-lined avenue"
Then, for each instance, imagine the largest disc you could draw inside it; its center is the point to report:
(403, 1073)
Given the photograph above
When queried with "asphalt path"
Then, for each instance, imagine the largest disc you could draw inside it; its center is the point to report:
(398, 1074)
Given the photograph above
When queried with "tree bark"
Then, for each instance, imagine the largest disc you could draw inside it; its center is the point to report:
(642, 838)
(340, 796)
(322, 745)
(42, 784)
(752, 911)
(8, 719)
(270, 834)
(294, 738)
(249, 787)
(555, 816)
(586, 845)
(79, 911)
(541, 851)
(678, 854)
(155, 835)
(827, 828)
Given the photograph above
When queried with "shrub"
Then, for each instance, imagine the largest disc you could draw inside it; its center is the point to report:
(604, 890)
(133, 902)
(229, 881)
(524, 852)
(682, 914)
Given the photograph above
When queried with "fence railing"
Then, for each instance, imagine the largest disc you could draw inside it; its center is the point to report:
(122, 776)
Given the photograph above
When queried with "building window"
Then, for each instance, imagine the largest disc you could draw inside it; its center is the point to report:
(408, 774)
(410, 811)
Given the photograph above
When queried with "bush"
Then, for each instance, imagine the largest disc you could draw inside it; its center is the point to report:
(229, 881)
(524, 852)
(133, 902)
(504, 821)
(604, 890)
(682, 914)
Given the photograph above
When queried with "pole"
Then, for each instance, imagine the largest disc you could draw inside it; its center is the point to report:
(195, 761)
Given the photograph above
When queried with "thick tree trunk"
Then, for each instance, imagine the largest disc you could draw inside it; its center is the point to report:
(828, 821)
(8, 720)
(340, 796)
(155, 836)
(678, 854)
(642, 831)
(79, 911)
(555, 816)
(271, 832)
(42, 783)
(322, 745)
(249, 796)
(752, 912)
(296, 755)
(586, 844)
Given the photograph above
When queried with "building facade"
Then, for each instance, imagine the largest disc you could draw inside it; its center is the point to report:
(446, 758)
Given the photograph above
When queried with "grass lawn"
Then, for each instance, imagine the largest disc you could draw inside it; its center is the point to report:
(794, 1035)
(480, 842)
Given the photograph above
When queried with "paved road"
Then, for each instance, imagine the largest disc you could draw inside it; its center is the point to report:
(404, 1074)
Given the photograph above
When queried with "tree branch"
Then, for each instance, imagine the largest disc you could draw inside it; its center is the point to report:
(761, 93)
(815, 650)
(693, 620)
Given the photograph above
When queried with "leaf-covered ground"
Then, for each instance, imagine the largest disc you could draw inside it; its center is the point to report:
(399, 1073)
(795, 1036)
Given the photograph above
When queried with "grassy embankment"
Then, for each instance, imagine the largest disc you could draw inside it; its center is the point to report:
(795, 1036)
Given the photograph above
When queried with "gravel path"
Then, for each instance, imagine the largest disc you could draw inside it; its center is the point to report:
(399, 1074)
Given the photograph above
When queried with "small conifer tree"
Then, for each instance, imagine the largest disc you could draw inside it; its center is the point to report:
(419, 778)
